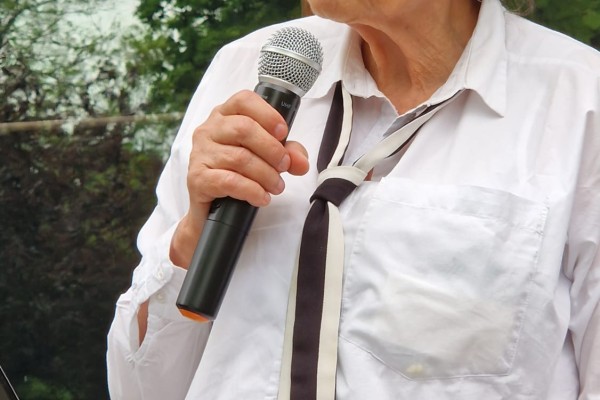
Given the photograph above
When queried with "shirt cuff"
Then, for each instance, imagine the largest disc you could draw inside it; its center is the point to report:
(158, 280)
(162, 303)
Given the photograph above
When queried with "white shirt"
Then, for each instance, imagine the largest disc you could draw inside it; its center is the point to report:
(472, 268)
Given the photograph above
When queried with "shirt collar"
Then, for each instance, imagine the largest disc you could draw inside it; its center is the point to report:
(481, 68)
(343, 61)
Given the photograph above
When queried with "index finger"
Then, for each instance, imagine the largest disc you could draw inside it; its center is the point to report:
(255, 107)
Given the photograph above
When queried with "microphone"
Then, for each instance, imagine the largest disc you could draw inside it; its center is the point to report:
(289, 65)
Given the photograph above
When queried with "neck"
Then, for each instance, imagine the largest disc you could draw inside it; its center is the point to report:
(411, 56)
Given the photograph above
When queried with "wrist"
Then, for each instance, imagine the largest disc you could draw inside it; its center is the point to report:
(185, 238)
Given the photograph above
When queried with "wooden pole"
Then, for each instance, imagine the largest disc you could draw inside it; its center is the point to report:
(57, 124)
(306, 11)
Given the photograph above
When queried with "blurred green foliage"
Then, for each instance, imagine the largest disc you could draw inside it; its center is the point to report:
(184, 35)
(36, 389)
(73, 200)
(577, 18)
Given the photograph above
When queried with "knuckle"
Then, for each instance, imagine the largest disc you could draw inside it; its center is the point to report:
(244, 127)
(240, 157)
(245, 95)
(218, 110)
(203, 134)
(228, 182)
(200, 131)
(196, 179)
(239, 100)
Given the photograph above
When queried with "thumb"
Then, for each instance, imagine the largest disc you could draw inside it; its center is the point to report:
(298, 158)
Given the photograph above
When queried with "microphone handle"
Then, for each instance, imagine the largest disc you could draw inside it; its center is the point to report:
(224, 233)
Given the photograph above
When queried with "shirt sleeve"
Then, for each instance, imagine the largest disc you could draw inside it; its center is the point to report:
(584, 264)
(173, 344)
(164, 365)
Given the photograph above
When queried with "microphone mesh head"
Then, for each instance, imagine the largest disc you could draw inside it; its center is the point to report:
(292, 55)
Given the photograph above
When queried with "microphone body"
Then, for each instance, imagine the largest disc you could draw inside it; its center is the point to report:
(289, 64)
(224, 233)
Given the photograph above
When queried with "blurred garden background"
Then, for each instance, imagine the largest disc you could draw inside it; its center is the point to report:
(91, 95)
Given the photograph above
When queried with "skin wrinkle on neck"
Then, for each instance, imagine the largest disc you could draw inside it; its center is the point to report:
(411, 56)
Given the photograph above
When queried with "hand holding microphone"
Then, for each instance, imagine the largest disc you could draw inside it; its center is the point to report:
(237, 156)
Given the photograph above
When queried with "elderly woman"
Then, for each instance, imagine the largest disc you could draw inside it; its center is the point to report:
(471, 267)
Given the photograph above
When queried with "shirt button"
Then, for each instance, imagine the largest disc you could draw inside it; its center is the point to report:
(415, 370)
(160, 274)
(160, 297)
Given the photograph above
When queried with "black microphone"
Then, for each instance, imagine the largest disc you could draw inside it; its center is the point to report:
(289, 65)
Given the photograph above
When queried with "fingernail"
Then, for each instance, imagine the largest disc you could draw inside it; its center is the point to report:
(280, 131)
(284, 164)
(267, 199)
(280, 185)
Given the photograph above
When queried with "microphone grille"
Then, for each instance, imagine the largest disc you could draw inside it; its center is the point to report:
(292, 57)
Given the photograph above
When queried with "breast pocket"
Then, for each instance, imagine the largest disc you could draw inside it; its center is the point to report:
(437, 283)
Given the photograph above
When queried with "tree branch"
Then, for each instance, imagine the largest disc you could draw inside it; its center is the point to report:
(57, 124)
